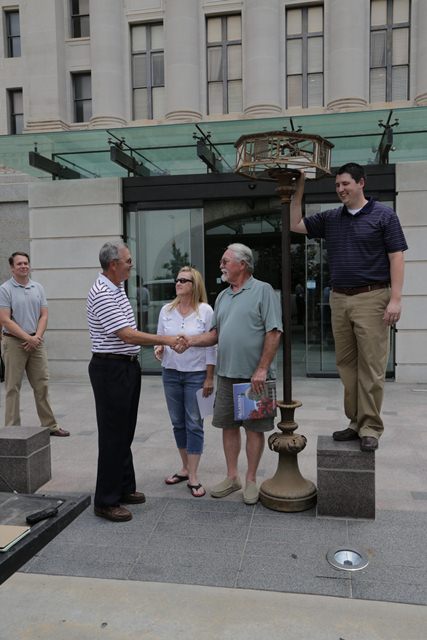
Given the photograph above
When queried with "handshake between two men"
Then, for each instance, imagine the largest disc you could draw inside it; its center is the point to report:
(183, 342)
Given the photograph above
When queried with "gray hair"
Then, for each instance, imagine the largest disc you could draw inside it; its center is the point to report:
(244, 254)
(109, 252)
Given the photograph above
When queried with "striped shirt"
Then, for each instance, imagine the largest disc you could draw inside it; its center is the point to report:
(108, 310)
(358, 245)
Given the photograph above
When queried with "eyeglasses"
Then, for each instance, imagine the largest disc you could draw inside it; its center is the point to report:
(128, 261)
(182, 280)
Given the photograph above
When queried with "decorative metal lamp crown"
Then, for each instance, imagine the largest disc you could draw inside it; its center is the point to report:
(262, 155)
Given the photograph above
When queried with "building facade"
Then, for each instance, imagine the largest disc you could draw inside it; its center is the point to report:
(77, 76)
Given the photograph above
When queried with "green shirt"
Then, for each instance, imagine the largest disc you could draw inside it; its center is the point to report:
(241, 320)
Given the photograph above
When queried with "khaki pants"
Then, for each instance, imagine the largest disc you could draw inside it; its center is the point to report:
(362, 347)
(34, 363)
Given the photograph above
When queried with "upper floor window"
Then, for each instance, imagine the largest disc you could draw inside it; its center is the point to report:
(389, 67)
(16, 111)
(82, 93)
(224, 59)
(13, 34)
(148, 71)
(80, 27)
(304, 56)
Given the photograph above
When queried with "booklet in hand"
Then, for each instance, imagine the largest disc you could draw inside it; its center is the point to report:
(249, 405)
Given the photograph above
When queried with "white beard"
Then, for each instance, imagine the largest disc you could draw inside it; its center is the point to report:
(224, 277)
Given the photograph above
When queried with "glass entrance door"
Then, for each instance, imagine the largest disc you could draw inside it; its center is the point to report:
(161, 242)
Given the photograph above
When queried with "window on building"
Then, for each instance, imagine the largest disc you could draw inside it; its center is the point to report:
(304, 56)
(82, 92)
(224, 64)
(389, 67)
(148, 71)
(13, 34)
(80, 26)
(16, 111)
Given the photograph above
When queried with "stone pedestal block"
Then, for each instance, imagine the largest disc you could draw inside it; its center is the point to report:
(24, 458)
(345, 479)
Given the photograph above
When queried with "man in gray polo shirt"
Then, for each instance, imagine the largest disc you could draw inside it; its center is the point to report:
(247, 326)
(23, 317)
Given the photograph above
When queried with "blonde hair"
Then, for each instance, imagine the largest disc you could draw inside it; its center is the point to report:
(198, 293)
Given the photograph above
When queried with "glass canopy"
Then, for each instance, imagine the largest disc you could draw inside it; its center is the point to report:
(171, 148)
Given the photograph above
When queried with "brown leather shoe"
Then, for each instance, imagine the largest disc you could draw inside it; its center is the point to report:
(133, 498)
(61, 433)
(345, 434)
(115, 513)
(368, 443)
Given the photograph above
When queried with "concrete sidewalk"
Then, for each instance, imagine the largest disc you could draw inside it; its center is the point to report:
(183, 566)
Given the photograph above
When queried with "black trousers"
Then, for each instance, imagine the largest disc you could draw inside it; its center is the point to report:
(116, 386)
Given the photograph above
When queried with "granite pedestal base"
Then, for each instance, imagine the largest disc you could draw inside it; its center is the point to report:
(24, 458)
(345, 479)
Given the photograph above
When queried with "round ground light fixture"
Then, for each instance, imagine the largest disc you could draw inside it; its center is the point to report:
(347, 559)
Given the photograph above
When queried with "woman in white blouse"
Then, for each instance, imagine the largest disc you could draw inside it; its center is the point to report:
(185, 373)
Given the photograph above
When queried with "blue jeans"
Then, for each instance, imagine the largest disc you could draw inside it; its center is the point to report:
(180, 391)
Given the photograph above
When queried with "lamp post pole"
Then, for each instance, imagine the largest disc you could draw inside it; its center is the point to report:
(276, 156)
(286, 296)
(287, 490)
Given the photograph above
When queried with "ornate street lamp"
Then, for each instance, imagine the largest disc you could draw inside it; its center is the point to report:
(278, 156)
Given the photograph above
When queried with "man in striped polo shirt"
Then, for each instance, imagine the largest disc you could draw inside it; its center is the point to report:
(115, 375)
(365, 245)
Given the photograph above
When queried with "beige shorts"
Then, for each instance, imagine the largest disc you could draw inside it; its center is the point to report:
(223, 417)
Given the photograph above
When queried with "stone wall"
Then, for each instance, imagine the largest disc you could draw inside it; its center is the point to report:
(411, 339)
(14, 227)
(69, 222)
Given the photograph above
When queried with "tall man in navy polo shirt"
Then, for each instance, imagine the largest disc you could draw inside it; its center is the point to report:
(115, 375)
(365, 245)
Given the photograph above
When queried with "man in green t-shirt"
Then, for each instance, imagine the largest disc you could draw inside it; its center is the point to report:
(247, 326)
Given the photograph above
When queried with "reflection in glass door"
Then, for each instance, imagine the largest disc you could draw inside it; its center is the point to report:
(161, 242)
(320, 351)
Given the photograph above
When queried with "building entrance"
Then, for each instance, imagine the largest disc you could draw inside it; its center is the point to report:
(176, 220)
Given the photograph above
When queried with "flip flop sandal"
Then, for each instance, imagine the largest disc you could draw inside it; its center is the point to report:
(175, 479)
(195, 487)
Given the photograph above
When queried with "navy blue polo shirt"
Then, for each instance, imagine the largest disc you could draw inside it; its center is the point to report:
(358, 245)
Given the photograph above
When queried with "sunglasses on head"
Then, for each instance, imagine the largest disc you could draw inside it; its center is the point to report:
(182, 280)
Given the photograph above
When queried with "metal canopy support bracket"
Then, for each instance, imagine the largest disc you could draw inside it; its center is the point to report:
(207, 156)
(386, 142)
(128, 162)
(57, 170)
(206, 151)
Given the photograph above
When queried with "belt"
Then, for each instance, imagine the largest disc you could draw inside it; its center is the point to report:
(353, 291)
(10, 335)
(115, 356)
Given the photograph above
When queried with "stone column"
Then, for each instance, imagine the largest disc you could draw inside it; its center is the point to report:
(182, 60)
(44, 65)
(347, 54)
(107, 54)
(261, 55)
(420, 53)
